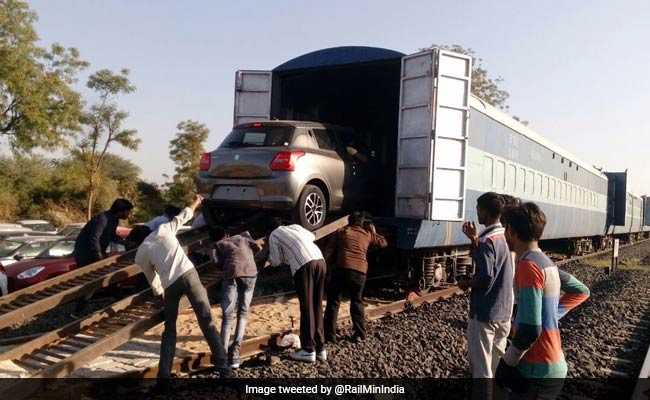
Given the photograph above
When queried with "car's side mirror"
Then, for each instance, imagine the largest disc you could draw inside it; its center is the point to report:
(18, 257)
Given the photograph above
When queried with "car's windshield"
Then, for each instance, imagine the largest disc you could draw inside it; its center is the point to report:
(8, 246)
(70, 230)
(32, 249)
(263, 136)
(61, 248)
(42, 227)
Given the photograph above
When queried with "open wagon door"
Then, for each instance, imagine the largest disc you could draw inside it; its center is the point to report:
(252, 96)
(432, 135)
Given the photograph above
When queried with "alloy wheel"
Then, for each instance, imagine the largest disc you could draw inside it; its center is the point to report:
(314, 209)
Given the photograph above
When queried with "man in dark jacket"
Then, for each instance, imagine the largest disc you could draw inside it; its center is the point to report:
(235, 255)
(99, 232)
(351, 246)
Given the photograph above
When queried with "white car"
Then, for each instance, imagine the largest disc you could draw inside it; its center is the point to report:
(39, 225)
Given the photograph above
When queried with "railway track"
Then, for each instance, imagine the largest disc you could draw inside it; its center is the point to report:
(58, 353)
(18, 307)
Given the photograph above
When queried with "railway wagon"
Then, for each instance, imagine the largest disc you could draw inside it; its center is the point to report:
(627, 216)
(435, 146)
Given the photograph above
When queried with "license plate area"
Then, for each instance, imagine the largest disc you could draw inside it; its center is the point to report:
(236, 193)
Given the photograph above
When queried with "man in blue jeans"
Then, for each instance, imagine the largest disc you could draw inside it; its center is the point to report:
(236, 256)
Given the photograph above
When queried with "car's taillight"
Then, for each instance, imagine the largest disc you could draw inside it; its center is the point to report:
(286, 160)
(206, 160)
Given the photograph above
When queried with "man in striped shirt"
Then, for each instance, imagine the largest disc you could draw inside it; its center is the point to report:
(544, 295)
(294, 245)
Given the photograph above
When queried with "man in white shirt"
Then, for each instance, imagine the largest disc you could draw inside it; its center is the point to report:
(172, 275)
(294, 245)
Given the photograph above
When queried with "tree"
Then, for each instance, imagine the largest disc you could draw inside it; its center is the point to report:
(150, 202)
(185, 150)
(482, 85)
(103, 127)
(38, 107)
(32, 186)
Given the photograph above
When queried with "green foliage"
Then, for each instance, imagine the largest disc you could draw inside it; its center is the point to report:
(185, 150)
(103, 126)
(33, 187)
(482, 85)
(150, 202)
(38, 107)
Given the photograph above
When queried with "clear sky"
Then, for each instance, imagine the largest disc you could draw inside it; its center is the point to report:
(578, 71)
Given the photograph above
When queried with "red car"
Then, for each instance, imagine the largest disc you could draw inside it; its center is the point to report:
(53, 261)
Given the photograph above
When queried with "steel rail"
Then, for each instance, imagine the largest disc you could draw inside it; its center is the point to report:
(17, 307)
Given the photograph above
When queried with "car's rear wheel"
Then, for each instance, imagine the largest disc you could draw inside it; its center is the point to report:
(311, 209)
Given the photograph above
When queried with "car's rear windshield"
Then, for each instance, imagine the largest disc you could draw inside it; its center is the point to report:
(264, 136)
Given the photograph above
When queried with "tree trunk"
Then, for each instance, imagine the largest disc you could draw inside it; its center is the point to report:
(91, 196)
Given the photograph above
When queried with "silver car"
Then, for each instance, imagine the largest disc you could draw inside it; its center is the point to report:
(307, 168)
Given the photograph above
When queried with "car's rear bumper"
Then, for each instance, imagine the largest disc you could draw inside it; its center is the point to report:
(279, 192)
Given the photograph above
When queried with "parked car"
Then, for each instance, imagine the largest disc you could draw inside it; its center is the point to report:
(55, 260)
(18, 248)
(9, 226)
(307, 168)
(39, 225)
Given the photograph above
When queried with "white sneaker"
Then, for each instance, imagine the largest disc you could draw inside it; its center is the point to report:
(302, 355)
(321, 355)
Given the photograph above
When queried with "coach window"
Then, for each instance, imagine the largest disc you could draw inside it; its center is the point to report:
(511, 173)
(500, 175)
(545, 187)
(530, 181)
(563, 192)
(488, 166)
(521, 176)
(573, 194)
(551, 189)
(538, 184)
(580, 195)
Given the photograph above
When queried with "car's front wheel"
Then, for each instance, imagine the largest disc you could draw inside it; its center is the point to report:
(311, 209)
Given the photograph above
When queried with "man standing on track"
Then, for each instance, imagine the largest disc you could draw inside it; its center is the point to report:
(99, 232)
(172, 275)
(235, 255)
(492, 296)
(294, 245)
(350, 246)
(535, 353)
(94, 239)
